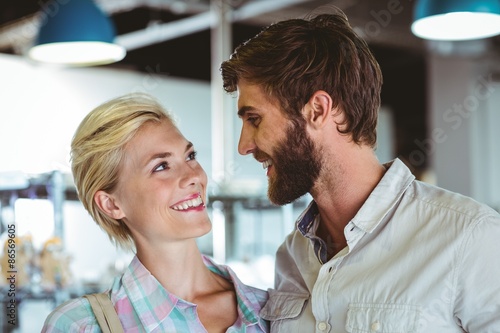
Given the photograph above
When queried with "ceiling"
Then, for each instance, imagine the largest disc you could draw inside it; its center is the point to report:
(185, 52)
(172, 37)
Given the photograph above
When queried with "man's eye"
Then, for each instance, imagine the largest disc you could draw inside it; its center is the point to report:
(192, 156)
(254, 120)
(162, 166)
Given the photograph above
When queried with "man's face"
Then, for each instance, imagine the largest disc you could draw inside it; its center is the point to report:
(280, 144)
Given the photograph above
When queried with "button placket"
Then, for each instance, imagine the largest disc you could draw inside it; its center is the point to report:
(320, 293)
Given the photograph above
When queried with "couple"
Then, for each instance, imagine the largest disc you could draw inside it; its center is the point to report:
(376, 250)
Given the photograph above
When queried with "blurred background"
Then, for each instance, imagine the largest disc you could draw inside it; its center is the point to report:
(439, 114)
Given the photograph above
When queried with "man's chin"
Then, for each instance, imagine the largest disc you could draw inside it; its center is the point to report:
(275, 194)
(280, 196)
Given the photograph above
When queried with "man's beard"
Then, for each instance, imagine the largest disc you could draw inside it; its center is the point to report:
(296, 164)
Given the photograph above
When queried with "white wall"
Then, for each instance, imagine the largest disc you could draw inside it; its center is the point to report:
(41, 107)
(463, 132)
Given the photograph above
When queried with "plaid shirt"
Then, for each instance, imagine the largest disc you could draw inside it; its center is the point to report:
(143, 305)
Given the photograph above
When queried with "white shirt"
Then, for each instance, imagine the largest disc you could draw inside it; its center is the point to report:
(419, 259)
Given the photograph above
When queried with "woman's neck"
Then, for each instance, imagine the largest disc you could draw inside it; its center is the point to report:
(180, 269)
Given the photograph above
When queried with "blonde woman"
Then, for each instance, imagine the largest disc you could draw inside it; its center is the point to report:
(139, 179)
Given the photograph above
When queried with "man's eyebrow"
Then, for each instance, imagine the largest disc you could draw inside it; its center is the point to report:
(244, 109)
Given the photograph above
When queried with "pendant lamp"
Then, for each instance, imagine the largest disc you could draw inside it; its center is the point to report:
(455, 20)
(75, 33)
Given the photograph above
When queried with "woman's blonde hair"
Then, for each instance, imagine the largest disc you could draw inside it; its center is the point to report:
(97, 151)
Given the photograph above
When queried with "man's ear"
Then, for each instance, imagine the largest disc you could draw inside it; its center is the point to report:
(317, 110)
(106, 204)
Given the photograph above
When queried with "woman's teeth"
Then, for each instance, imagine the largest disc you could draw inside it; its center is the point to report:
(189, 204)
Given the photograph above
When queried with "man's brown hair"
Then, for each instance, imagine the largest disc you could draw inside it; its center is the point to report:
(292, 59)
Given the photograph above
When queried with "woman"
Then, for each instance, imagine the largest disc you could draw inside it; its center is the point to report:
(139, 179)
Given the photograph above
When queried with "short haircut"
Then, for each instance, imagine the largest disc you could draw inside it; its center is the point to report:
(97, 152)
(293, 59)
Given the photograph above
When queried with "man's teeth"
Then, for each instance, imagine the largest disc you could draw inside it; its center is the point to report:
(266, 164)
(188, 204)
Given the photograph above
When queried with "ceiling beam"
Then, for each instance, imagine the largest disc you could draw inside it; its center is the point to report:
(158, 33)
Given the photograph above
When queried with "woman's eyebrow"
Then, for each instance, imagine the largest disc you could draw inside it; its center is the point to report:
(166, 154)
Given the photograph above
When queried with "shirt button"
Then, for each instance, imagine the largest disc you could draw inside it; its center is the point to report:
(375, 326)
(322, 326)
(330, 269)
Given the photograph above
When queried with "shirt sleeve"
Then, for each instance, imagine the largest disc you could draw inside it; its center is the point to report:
(71, 317)
(477, 306)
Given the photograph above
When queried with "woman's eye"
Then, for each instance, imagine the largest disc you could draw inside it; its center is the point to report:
(191, 156)
(161, 167)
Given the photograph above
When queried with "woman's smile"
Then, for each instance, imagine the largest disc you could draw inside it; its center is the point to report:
(193, 202)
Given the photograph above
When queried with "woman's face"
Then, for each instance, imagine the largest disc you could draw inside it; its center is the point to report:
(161, 190)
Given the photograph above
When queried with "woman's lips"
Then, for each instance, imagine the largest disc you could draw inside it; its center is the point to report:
(191, 202)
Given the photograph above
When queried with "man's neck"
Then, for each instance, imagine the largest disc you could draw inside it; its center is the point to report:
(340, 192)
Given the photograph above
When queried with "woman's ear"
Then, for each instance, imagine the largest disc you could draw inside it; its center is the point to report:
(106, 204)
(317, 110)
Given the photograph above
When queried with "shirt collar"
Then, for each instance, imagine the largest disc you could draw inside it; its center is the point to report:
(153, 303)
(306, 220)
(385, 196)
(307, 223)
(247, 301)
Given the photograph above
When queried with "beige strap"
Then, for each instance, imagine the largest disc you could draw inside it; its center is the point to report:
(105, 313)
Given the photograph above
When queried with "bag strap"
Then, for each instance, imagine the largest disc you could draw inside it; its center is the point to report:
(105, 313)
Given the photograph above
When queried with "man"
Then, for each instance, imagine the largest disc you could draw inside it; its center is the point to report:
(376, 250)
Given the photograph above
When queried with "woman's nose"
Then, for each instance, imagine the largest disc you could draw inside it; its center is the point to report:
(193, 175)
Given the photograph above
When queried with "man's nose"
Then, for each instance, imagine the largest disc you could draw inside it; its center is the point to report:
(246, 145)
